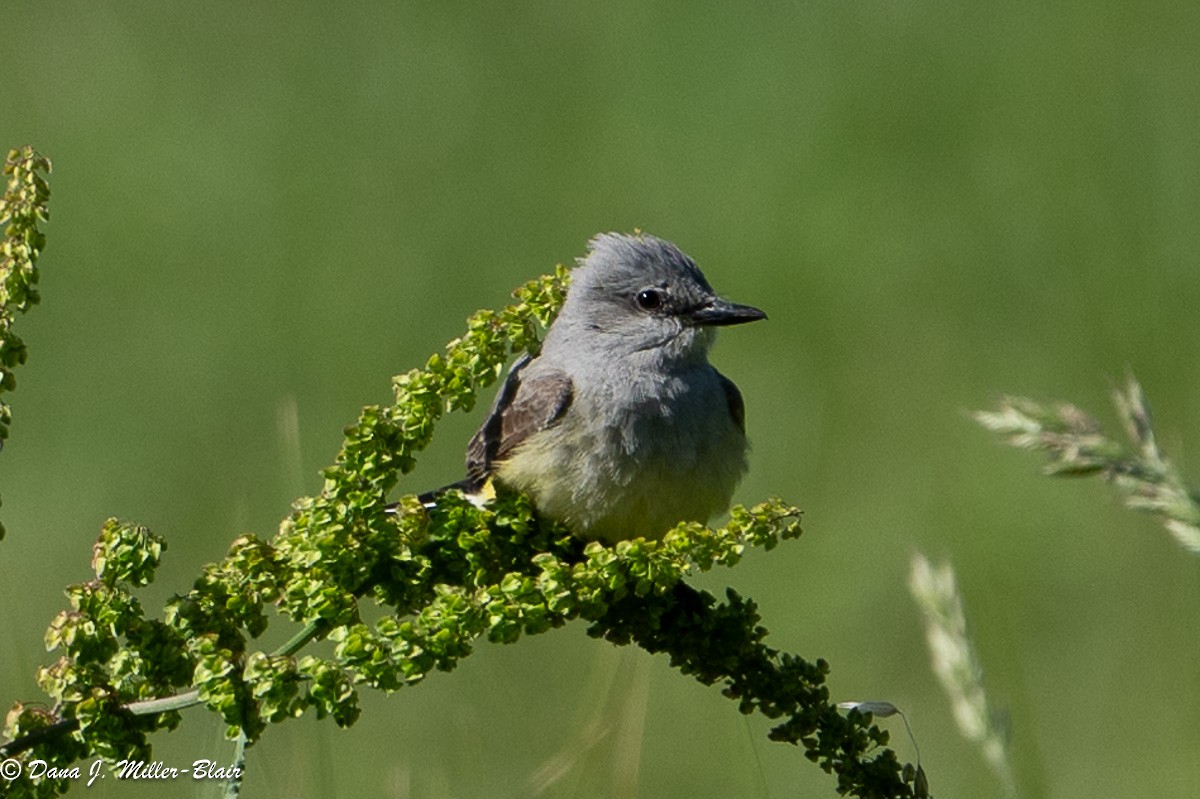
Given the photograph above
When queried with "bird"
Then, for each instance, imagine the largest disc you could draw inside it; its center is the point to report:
(619, 427)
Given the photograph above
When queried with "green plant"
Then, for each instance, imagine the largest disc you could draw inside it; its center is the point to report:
(446, 578)
(25, 203)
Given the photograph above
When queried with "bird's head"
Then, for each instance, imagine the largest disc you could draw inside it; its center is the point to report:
(638, 294)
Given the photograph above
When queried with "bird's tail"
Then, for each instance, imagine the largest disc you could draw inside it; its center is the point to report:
(477, 492)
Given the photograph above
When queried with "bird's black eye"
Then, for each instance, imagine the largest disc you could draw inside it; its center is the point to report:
(649, 299)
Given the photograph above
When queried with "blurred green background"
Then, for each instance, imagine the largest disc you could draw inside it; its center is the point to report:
(260, 215)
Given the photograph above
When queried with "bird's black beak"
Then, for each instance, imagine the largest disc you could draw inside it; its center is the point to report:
(719, 312)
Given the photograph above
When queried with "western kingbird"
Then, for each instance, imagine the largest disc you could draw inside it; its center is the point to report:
(620, 427)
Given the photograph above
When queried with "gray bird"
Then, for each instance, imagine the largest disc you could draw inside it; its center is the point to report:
(621, 427)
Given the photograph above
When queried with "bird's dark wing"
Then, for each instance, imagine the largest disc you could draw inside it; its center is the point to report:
(521, 408)
(737, 406)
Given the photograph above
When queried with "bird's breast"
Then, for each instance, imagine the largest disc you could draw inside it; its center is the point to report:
(636, 456)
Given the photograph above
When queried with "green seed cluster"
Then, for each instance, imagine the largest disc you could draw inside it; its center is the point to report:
(24, 204)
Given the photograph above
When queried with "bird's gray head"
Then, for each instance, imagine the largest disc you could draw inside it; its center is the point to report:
(641, 295)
